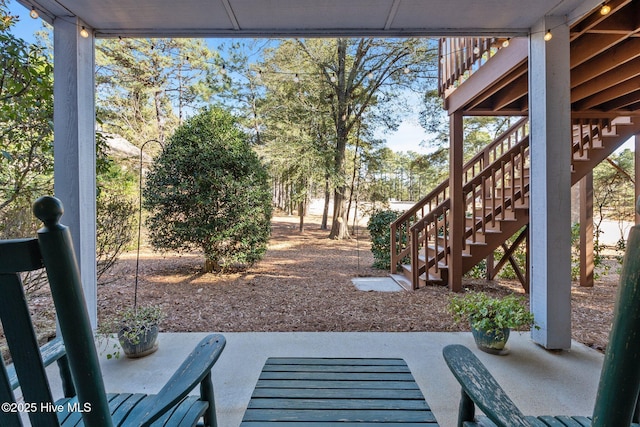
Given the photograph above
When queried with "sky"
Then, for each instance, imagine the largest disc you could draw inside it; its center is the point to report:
(407, 137)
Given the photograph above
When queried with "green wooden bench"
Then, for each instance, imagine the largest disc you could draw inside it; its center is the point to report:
(322, 392)
(617, 397)
(85, 402)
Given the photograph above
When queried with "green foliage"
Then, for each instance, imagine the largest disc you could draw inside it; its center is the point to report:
(115, 216)
(379, 228)
(479, 271)
(342, 90)
(491, 314)
(519, 255)
(26, 133)
(144, 86)
(208, 190)
(575, 250)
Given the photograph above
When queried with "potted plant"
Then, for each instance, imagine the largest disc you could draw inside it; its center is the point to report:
(136, 329)
(491, 318)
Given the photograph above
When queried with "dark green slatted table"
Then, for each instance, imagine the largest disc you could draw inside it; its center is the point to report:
(323, 392)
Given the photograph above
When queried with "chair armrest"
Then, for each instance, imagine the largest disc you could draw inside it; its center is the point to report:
(50, 352)
(193, 370)
(481, 388)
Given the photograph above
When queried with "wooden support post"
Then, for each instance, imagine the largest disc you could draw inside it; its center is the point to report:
(490, 262)
(637, 170)
(550, 196)
(74, 146)
(586, 231)
(456, 221)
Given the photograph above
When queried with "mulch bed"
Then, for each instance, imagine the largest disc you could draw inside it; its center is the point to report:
(304, 284)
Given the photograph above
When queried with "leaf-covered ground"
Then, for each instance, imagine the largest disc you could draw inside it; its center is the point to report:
(304, 284)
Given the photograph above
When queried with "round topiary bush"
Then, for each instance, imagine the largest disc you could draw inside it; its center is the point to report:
(208, 190)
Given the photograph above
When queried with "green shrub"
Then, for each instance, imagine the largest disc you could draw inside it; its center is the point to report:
(379, 228)
(208, 190)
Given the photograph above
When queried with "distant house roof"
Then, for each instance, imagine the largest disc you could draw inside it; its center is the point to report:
(121, 148)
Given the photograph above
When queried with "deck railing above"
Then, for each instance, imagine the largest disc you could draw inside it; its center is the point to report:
(460, 57)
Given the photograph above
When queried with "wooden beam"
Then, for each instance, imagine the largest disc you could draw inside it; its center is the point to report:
(609, 94)
(578, 115)
(610, 60)
(508, 256)
(586, 231)
(593, 19)
(591, 45)
(628, 102)
(623, 22)
(500, 84)
(517, 90)
(604, 81)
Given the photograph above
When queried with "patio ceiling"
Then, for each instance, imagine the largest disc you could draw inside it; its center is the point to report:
(291, 18)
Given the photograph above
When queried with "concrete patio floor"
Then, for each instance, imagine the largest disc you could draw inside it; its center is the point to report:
(539, 381)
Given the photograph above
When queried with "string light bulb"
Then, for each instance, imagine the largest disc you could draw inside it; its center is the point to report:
(333, 78)
(548, 36)
(84, 33)
(605, 9)
(505, 43)
(223, 70)
(296, 78)
(476, 50)
(34, 13)
(370, 75)
(406, 70)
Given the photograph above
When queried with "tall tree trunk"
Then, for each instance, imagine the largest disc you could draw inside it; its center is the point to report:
(325, 209)
(339, 229)
(301, 215)
(353, 176)
(157, 97)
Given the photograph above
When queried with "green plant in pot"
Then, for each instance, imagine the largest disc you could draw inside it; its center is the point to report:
(136, 329)
(138, 333)
(491, 318)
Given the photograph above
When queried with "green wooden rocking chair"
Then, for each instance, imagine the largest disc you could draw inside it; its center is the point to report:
(616, 400)
(86, 402)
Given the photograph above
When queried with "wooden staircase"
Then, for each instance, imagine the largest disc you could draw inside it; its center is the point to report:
(496, 199)
(489, 76)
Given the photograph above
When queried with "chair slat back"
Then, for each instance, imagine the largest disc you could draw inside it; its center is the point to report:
(53, 249)
(21, 337)
(620, 378)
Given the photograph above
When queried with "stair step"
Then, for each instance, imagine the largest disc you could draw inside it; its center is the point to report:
(432, 279)
(402, 281)
(470, 242)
